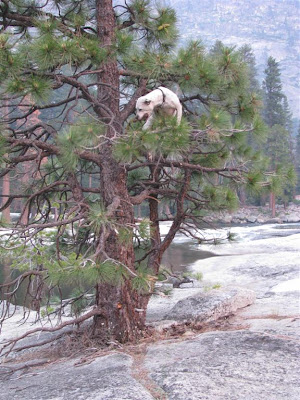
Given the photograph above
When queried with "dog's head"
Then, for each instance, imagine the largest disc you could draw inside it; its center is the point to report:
(144, 108)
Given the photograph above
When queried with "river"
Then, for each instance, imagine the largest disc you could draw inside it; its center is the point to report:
(185, 252)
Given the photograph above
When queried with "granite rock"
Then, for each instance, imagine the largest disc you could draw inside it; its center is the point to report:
(227, 365)
(210, 306)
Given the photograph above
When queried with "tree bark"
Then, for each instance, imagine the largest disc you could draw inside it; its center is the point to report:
(156, 256)
(6, 183)
(122, 309)
(5, 194)
(273, 204)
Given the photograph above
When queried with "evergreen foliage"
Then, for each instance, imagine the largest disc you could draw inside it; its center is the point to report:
(273, 95)
(279, 145)
(297, 160)
(249, 58)
(86, 163)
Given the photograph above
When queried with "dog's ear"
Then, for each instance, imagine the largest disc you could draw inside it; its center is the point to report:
(147, 102)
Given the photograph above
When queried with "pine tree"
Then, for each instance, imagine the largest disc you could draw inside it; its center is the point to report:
(84, 64)
(288, 116)
(297, 160)
(249, 58)
(279, 146)
(273, 95)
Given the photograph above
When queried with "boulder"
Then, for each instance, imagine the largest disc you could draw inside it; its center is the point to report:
(227, 219)
(252, 219)
(238, 220)
(274, 220)
(292, 218)
(210, 306)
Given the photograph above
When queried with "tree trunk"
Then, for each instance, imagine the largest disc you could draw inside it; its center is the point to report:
(242, 196)
(25, 206)
(272, 204)
(155, 257)
(123, 310)
(168, 211)
(5, 194)
(6, 182)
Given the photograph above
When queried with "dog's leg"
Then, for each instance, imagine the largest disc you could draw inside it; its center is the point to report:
(148, 123)
(179, 113)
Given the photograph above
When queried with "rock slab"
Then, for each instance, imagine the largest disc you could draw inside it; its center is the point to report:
(227, 366)
(106, 378)
(210, 306)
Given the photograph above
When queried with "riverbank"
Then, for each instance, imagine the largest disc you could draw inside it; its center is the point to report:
(252, 353)
(257, 215)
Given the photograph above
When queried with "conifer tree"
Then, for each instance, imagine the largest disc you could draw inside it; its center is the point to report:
(279, 141)
(273, 95)
(84, 64)
(249, 58)
(297, 160)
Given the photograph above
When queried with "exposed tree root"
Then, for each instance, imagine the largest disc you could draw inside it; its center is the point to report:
(10, 369)
(10, 344)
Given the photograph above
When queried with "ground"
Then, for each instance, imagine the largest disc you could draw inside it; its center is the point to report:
(252, 353)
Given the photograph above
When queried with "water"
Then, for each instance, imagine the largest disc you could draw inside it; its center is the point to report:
(184, 251)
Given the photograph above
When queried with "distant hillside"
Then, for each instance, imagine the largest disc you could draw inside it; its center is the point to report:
(271, 27)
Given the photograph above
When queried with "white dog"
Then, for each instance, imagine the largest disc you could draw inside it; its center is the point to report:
(159, 99)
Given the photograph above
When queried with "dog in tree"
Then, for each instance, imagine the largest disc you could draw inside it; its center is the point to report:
(159, 100)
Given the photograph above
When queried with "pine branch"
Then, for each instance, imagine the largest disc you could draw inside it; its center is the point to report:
(8, 202)
(149, 193)
(126, 24)
(180, 215)
(28, 157)
(30, 22)
(134, 74)
(35, 228)
(35, 107)
(20, 278)
(183, 165)
(26, 132)
(76, 190)
(52, 149)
